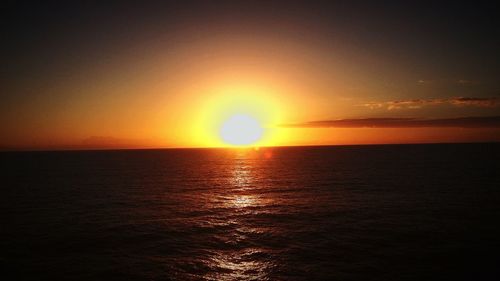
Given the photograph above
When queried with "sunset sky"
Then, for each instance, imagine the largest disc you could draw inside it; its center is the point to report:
(124, 75)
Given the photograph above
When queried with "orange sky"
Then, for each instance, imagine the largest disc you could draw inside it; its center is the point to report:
(170, 88)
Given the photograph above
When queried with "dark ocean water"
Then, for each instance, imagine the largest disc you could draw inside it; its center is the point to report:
(395, 212)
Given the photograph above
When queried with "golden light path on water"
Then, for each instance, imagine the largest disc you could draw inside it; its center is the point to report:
(236, 220)
(242, 261)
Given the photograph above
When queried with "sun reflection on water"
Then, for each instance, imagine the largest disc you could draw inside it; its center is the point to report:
(241, 177)
(243, 201)
(241, 260)
(239, 266)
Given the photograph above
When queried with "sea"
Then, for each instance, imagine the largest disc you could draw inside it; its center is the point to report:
(370, 212)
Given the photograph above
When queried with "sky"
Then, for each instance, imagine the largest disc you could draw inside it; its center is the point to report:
(99, 74)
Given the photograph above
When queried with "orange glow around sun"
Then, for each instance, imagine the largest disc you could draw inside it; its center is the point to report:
(230, 90)
(239, 117)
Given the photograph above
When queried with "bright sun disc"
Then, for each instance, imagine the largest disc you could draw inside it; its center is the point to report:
(241, 129)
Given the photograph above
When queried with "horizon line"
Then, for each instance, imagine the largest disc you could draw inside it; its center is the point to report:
(3, 150)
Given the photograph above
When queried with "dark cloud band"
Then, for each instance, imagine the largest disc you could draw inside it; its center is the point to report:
(463, 122)
(419, 103)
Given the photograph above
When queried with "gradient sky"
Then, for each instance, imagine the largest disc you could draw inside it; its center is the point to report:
(116, 75)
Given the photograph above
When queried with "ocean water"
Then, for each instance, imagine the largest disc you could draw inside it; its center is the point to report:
(391, 212)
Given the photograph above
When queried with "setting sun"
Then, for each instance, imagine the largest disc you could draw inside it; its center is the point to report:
(241, 130)
(238, 115)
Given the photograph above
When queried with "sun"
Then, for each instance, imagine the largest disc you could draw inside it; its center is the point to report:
(238, 117)
(241, 130)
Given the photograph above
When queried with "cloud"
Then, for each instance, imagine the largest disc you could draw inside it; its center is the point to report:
(463, 82)
(479, 102)
(419, 103)
(462, 122)
(424, 82)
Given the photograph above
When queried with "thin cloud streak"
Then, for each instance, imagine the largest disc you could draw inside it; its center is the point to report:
(419, 103)
(462, 122)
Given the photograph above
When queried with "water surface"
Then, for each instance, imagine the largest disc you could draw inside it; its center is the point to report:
(396, 212)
